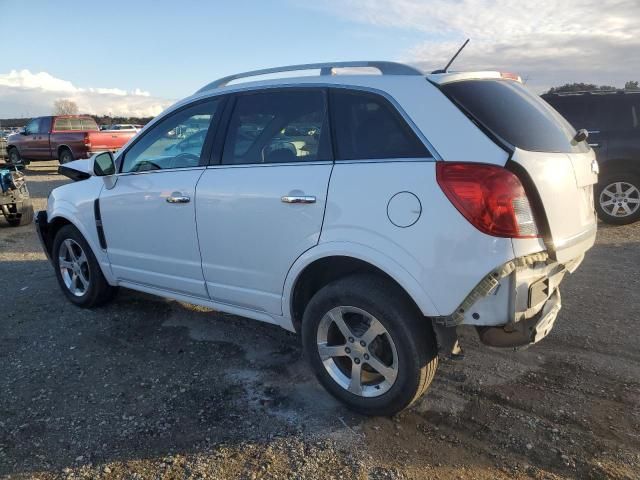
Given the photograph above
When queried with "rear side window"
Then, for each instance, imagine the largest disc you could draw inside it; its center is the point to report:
(514, 115)
(367, 126)
(278, 127)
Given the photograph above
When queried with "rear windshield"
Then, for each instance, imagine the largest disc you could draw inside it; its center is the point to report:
(85, 124)
(514, 115)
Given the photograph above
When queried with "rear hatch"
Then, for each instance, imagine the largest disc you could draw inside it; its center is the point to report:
(557, 172)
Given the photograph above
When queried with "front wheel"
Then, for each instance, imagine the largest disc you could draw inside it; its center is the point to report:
(368, 345)
(618, 198)
(77, 269)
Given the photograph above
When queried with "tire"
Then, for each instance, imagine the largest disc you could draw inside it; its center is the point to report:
(96, 291)
(618, 198)
(14, 157)
(404, 346)
(26, 215)
(65, 156)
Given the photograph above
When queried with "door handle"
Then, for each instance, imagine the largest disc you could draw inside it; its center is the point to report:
(177, 197)
(298, 199)
(594, 145)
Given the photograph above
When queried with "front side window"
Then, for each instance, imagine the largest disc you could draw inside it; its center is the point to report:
(32, 127)
(367, 126)
(277, 127)
(175, 142)
(45, 125)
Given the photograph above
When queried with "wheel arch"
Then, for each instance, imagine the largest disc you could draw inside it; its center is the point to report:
(322, 265)
(60, 219)
(61, 147)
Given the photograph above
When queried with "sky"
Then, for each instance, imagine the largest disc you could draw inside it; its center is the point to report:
(136, 57)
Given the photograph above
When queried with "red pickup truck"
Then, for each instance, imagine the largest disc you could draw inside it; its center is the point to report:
(65, 137)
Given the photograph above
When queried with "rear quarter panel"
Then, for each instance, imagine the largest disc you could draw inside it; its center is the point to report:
(441, 252)
(72, 140)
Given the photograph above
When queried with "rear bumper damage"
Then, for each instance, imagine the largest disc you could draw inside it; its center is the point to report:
(513, 306)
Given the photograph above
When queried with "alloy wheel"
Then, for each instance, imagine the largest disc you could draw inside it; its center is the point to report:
(74, 267)
(357, 351)
(620, 199)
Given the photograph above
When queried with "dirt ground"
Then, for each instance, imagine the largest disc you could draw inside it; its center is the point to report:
(150, 388)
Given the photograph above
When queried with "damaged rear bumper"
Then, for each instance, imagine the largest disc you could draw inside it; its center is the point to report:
(525, 332)
(514, 305)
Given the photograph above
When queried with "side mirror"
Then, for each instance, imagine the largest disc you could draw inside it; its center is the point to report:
(104, 165)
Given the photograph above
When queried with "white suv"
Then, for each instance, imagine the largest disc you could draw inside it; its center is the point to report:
(371, 213)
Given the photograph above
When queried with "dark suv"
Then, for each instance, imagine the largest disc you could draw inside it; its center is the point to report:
(613, 121)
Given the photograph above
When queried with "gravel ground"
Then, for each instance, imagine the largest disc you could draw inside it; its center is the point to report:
(150, 388)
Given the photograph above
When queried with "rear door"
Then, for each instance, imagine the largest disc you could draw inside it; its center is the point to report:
(149, 214)
(563, 171)
(262, 205)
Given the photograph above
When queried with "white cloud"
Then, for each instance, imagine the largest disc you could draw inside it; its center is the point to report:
(23, 93)
(547, 41)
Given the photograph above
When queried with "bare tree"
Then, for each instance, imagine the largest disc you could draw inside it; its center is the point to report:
(65, 107)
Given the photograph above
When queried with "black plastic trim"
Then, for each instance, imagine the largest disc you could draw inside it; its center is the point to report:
(96, 211)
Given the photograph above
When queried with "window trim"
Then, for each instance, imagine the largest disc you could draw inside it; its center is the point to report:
(221, 142)
(206, 147)
(406, 124)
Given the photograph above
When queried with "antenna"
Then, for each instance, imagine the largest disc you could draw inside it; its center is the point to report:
(446, 68)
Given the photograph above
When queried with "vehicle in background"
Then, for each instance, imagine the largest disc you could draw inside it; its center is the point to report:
(340, 207)
(124, 127)
(15, 204)
(612, 119)
(65, 137)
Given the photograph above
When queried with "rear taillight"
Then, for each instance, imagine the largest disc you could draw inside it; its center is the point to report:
(490, 197)
(87, 140)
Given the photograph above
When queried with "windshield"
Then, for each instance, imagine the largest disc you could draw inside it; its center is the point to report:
(514, 115)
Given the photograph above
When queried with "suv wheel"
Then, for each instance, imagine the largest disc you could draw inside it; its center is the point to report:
(368, 346)
(618, 198)
(77, 269)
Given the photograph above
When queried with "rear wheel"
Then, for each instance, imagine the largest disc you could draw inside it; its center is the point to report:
(65, 156)
(368, 345)
(77, 269)
(618, 198)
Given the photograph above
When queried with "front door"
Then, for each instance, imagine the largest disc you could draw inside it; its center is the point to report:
(29, 139)
(263, 206)
(149, 215)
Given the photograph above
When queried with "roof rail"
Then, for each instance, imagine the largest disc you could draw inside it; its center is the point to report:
(386, 68)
